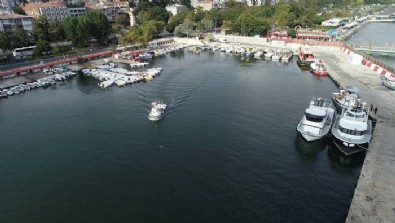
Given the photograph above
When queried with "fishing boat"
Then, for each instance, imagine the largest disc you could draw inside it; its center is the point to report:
(347, 98)
(318, 68)
(305, 58)
(317, 120)
(157, 111)
(352, 132)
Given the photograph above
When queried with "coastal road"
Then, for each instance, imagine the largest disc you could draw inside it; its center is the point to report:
(47, 60)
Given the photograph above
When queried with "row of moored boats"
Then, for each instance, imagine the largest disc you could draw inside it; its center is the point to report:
(351, 129)
(109, 76)
(59, 75)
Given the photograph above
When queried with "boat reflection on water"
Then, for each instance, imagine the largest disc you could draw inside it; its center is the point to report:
(309, 150)
(350, 161)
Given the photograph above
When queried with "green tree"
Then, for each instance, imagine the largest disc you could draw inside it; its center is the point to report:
(291, 33)
(70, 29)
(42, 47)
(21, 38)
(99, 27)
(18, 10)
(121, 20)
(40, 28)
(187, 3)
(56, 31)
(5, 42)
(175, 21)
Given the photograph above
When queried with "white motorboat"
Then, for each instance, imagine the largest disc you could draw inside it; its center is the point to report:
(106, 84)
(287, 55)
(277, 56)
(389, 81)
(317, 120)
(157, 111)
(347, 98)
(268, 55)
(352, 132)
(258, 54)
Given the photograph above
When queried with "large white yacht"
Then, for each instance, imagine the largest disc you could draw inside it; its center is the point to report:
(347, 98)
(157, 111)
(317, 120)
(352, 132)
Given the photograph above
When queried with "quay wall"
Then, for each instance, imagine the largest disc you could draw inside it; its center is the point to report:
(373, 199)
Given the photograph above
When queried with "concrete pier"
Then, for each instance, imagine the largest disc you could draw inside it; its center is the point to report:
(374, 196)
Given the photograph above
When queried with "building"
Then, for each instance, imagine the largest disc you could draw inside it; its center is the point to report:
(176, 8)
(53, 11)
(255, 2)
(110, 9)
(76, 10)
(8, 4)
(11, 21)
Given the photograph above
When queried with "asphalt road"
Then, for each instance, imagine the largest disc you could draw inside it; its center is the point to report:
(46, 60)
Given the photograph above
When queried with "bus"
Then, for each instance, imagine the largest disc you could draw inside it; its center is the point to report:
(23, 52)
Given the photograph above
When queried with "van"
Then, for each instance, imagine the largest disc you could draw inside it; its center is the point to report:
(223, 40)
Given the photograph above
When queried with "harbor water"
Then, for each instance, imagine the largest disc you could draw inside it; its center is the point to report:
(377, 34)
(227, 150)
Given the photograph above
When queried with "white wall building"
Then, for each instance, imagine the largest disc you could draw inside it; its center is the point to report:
(54, 11)
(11, 21)
(176, 8)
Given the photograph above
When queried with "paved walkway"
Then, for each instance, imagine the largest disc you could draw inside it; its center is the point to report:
(374, 197)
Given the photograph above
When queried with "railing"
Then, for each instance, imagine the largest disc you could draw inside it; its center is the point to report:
(370, 58)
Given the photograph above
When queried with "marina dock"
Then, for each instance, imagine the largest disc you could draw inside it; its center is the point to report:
(374, 196)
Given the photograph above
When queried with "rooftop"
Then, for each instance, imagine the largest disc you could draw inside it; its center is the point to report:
(6, 15)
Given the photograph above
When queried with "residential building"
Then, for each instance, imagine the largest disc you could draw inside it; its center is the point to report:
(208, 5)
(76, 10)
(53, 11)
(11, 21)
(8, 4)
(176, 8)
(110, 9)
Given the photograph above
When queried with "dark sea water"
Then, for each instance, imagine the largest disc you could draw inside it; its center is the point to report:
(227, 151)
(377, 34)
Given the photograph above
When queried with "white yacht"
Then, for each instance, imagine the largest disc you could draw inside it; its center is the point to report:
(157, 111)
(352, 132)
(389, 81)
(317, 120)
(347, 98)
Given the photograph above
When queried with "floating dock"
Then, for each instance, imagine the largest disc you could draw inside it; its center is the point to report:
(374, 196)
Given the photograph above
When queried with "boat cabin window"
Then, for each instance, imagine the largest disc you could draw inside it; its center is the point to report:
(349, 114)
(352, 132)
(314, 118)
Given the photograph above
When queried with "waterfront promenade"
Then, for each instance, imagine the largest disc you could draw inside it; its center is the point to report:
(374, 196)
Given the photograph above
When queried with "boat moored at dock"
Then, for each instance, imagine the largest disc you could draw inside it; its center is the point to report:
(305, 58)
(347, 98)
(317, 120)
(318, 68)
(352, 131)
